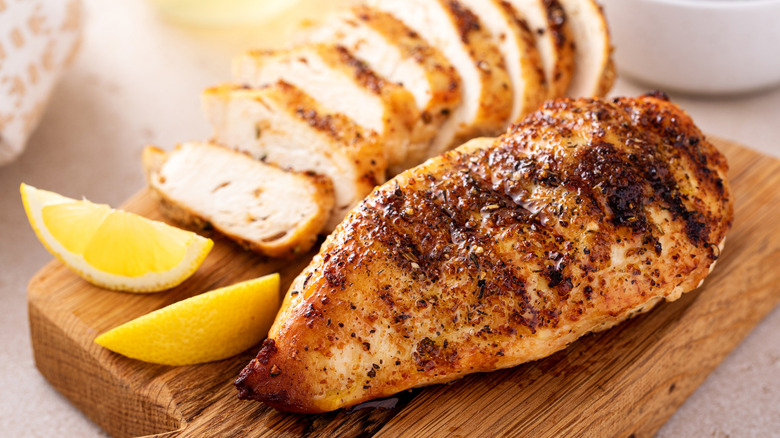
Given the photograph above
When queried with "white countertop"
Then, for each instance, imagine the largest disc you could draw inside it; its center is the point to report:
(137, 81)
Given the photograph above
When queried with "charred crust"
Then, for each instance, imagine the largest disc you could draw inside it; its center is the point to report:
(334, 275)
(465, 20)
(325, 123)
(267, 351)
(605, 171)
(245, 389)
(657, 94)
(428, 355)
(556, 17)
(517, 18)
(245, 381)
(522, 232)
(363, 73)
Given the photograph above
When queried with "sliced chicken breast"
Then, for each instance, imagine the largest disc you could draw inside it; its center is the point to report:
(513, 37)
(548, 22)
(260, 206)
(500, 252)
(487, 89)
(400, 55)
(341, 83)
(594, 71)
(282, 125)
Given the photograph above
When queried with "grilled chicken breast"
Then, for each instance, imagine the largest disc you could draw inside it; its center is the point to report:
(500, 252)
(401, 56)
(457, 32)
(264, 208)
(341, 83)
(549, 24)
(512, 36)
(282, 125)
(594, 71)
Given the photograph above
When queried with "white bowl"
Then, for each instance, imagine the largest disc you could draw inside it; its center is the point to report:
(697, 46)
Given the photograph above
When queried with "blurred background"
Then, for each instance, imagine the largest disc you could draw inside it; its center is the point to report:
(135, 79)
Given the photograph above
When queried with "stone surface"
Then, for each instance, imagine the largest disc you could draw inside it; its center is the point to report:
(137, 80)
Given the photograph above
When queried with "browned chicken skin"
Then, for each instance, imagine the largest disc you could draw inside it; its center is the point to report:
(500, 252)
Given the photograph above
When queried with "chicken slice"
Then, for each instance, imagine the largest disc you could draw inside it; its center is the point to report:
(500, 252)
(457, 32)
(549, 24)
(401, 56)
(341, 83)
(513, 37)
(594, 71)
(281, 124)
(263, 208)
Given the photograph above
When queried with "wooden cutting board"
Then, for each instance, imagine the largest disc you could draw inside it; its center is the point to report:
(623, 382)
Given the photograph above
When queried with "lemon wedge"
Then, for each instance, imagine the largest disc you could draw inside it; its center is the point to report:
(111, 248)
(207, 327)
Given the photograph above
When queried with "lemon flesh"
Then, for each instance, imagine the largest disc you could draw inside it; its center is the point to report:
(111, 248)
(212, 326)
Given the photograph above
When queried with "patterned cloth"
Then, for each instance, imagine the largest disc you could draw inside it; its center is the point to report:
(38, 38)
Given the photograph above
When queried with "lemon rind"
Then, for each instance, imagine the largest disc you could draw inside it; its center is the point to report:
(139, 338)
(196, 253)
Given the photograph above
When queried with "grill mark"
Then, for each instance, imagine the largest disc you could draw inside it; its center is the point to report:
(680, 141)
(465, 189)
(556, 17)
(638, 172)
(618, 180)
(325, 123)
(525, 288)
(363, 73)
(465, 20)
(472, 192)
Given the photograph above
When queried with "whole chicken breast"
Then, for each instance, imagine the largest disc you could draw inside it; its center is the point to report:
(500, 252)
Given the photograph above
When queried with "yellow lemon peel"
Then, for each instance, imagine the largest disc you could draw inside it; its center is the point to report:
(112, 248)
(212, 326)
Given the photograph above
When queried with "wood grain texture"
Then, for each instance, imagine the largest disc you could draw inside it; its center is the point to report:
(622, 382)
